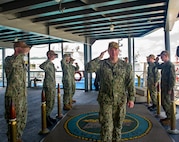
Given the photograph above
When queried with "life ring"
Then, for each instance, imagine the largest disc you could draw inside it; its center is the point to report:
(80, 76)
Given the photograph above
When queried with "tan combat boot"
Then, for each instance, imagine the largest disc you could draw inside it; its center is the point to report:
(166, 122)
(66, 107)
(19, 140)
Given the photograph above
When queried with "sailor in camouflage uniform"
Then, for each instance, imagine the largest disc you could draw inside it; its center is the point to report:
(49, 84)
(168, 77)
(67, 81)
(115, 78)
(73, 70)
(16, 91)
(152, 81)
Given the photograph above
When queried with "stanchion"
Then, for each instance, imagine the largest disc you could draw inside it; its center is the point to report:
(12, 123)
(148, 97)
(43, 115)
(173, 129)
(158, 101)
(59, 114)
(138, 78)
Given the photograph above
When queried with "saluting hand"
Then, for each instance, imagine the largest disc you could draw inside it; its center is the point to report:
(157, 59)
(102, 54)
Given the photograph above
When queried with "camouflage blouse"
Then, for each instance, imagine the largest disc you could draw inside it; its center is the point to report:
(115, 80)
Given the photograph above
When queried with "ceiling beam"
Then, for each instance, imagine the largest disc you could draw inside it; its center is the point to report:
(28, 26)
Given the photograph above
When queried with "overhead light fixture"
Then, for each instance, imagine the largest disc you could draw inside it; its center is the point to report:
(111, 27)
(58, 1)
(149, 20)
(61, 9)
(16, 39)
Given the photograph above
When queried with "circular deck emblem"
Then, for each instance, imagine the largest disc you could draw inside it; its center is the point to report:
(86, 126)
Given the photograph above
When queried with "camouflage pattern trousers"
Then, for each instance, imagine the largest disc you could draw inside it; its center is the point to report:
(111, 118)
(50, 99)
(67, 88)
(153, 93)
(166, 101)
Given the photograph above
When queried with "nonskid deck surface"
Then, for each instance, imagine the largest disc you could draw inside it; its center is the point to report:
(33, 127)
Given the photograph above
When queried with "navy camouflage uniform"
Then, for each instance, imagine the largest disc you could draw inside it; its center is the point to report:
(16, 91)
(73, 70)
(67, 81)
(152, 80)
(114, 79)
(49, 85)
(168, 77)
